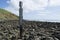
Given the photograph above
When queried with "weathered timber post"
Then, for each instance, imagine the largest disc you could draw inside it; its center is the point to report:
(20, 18)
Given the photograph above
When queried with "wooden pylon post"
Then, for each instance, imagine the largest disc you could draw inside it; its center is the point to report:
(20, 18)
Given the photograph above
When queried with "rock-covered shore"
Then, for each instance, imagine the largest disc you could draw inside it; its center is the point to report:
(9, 30)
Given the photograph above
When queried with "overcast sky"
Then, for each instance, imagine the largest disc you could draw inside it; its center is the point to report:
(46, 10)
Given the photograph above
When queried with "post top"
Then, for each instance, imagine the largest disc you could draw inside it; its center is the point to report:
(20, 4)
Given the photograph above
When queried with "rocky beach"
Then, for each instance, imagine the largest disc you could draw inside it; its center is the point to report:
(32, 30)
